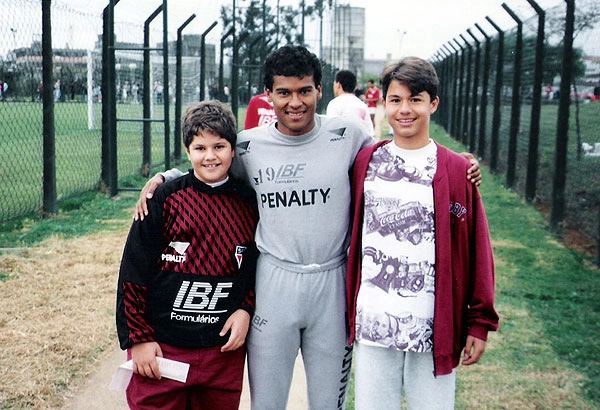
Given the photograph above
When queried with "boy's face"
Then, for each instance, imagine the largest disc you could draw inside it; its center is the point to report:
(295, 102)
(211, 157)
(409, 115)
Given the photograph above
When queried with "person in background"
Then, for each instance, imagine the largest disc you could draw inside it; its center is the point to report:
(346, 104)
(57, 90)
(420, 282)
(260, 111)
(372, 97)
(186, 283)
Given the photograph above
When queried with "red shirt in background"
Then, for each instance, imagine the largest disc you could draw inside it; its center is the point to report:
(260, 111)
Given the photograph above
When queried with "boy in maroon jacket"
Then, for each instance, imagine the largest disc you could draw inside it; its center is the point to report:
(420, 282)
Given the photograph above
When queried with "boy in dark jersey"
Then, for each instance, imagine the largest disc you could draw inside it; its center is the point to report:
(186, 283)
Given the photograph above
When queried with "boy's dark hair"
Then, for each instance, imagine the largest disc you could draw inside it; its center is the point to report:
(292, 61)
(415, 73)
(212, 116)
(347, 80)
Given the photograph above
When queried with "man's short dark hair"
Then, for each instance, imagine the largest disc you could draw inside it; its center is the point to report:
(212, 116)
(415, 73)
(347, 80)
(292, 61)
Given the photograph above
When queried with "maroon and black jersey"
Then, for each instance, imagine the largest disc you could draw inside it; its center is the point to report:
(188, 265)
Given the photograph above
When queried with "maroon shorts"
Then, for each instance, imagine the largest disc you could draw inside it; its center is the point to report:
(214, 382)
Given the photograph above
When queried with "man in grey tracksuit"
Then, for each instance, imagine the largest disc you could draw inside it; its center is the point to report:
(303, 190)
(299, 167)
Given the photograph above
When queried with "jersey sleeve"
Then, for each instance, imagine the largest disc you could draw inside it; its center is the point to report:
(142, 249)
(248, 270)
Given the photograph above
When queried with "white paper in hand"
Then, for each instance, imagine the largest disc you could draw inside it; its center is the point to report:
(170, 369)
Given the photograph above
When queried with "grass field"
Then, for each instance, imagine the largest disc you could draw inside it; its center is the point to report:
(546, 355)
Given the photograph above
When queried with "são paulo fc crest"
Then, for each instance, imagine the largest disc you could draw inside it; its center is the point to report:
(239, 253)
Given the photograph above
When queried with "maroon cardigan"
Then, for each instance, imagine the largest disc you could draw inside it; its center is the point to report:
(464, 265)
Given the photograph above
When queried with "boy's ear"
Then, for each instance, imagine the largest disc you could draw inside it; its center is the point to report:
(434, 104)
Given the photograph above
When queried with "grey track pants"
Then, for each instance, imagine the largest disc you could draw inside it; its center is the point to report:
(381, 375)
(299, 308)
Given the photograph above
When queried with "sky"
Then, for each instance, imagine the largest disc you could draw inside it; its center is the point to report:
(393, 27)
(421, 27)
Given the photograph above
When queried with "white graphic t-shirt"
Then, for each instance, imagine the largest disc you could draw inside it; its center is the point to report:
(396, 296)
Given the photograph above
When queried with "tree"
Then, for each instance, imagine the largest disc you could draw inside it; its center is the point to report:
(587, 16)
(260, 30)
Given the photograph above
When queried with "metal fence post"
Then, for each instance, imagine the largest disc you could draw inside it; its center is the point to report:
(166, 97)
(178, 92)
(497, 98)
(50, 206)
(475, 94)
(203, 61)
(455, 90)
(562, 127)
(147, 97)
(515, 113)
(467, 83)
(481, 145)
(536, 106)
(459, 107)
(221, 50)
(109, 98)
(234, 68)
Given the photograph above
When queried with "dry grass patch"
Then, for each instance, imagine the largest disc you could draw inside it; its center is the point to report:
(500, 388)
(520, 370)
(56, 316)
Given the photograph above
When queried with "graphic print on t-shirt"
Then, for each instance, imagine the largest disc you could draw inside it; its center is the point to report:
(396, 298)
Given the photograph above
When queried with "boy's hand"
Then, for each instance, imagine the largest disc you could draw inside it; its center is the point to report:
(473, 350)
(238, 323)
(473, 173)
(144, 359)
(141, 207)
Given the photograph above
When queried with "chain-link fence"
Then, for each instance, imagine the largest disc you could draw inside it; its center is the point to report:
(21, 109)
(501, 97)
(77, 82)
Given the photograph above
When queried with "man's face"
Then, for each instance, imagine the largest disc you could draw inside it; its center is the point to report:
(295, 102)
